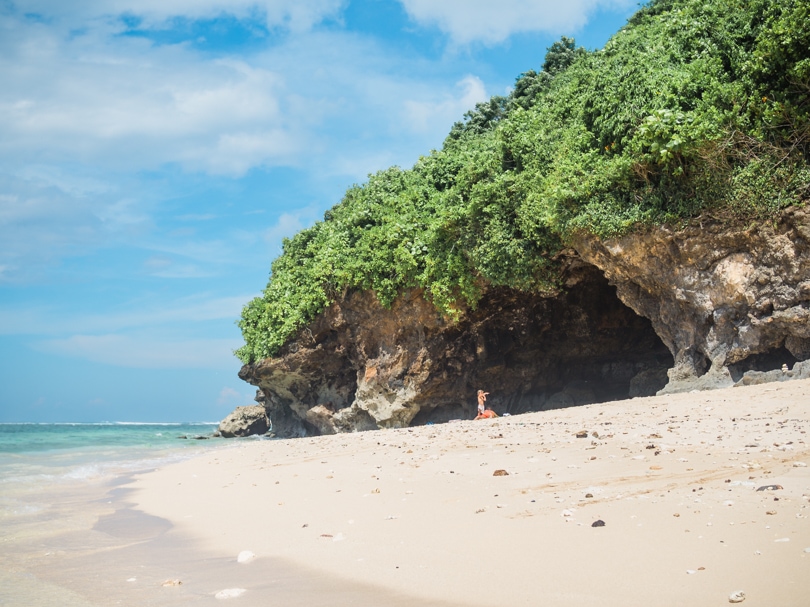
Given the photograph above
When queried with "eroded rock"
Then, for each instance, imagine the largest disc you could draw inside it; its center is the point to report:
(361, 366)
(704, 306)
(245, 421)
(724, 299)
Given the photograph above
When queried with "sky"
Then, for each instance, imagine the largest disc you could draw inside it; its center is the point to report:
(154, 154)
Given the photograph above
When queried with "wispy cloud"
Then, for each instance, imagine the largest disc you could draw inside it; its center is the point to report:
(296, 15)
(44, 320)
(467, 21)
(144, 352)
(427, 116)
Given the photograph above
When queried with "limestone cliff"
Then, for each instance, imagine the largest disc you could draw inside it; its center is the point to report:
(707, 302)
(724, 299)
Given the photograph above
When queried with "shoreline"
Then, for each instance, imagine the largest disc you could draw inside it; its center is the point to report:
(419, 512)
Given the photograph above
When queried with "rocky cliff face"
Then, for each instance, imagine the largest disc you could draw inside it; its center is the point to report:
(706, 303)
(724, 300)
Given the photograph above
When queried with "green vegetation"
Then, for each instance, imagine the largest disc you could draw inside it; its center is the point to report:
(693, 107)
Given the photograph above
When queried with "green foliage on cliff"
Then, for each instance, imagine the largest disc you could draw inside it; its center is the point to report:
(693, 107)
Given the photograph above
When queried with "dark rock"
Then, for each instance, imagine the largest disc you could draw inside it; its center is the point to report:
(361, 366)
(245, 421)
(770, 488)
(599, 523)
(500, 473)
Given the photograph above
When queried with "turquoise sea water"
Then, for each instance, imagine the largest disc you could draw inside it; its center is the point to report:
(58, 480)
(52, 453)
(38, 456)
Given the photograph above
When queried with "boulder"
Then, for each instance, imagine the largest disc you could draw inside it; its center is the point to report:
(245, 421)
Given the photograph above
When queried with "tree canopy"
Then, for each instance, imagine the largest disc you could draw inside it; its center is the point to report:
(692, 107)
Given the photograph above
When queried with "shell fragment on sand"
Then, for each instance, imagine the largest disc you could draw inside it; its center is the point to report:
(738, 596)
(245, 556)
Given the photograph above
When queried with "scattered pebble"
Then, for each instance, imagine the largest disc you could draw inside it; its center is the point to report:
(169, 583)
(799, 465)
(599, 523)
(783, 539)
(229, 593)
(738, 596)
(500, 473)
(770, 488)
(245, 556)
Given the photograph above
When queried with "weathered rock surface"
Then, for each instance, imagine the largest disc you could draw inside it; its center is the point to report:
(752, 378)
(725, 300)
(245, 421)
(668, 310)
(360, 366)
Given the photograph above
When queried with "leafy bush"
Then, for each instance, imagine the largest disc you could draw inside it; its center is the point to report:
(693, 107)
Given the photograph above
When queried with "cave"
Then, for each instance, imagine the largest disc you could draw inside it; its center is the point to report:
(535, 353)
(361, 365)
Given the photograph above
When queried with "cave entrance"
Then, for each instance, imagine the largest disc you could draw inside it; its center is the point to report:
(535, 353)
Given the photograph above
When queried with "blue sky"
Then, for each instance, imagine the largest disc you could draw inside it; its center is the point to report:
(154, 153)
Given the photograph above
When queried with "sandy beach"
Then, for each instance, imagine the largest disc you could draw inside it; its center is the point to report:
(701, 495)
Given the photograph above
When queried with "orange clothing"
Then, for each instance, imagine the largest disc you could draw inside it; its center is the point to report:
(487, 414)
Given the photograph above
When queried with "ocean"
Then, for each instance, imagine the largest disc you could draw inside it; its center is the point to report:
(31, 454)
(59, 481)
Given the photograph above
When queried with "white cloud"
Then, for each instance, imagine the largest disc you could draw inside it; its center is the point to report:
(297, 15)
(85, 113)
(287, 226)
(145, 352)
(230, 397)
(42, 320)
(467, 21)
(125, 103)
(429, 116)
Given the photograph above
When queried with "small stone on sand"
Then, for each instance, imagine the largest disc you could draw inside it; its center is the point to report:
(229, 593)
(599, 523)
(245, 556)
(169, 583)
(500, 473)
(738, 596)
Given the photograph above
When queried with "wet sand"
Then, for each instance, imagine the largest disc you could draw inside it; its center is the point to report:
(421, 516)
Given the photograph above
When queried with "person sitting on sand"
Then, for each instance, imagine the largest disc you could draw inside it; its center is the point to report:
(483, 412)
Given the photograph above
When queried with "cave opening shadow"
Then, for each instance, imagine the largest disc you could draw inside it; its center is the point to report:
(535, 353)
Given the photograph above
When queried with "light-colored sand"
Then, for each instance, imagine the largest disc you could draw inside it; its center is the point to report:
(420, 512)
